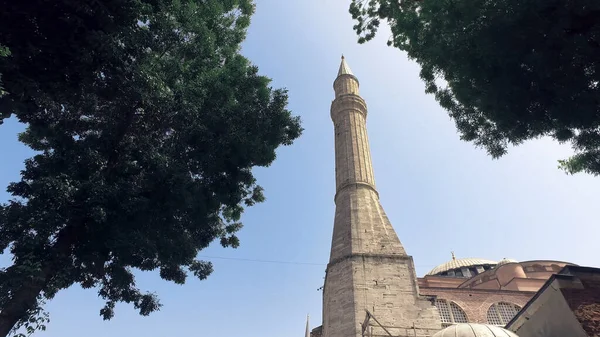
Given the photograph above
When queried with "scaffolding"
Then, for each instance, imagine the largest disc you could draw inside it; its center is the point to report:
(367, 327)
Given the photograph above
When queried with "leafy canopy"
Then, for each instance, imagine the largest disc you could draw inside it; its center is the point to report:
(4, 52)
(147, 122)
(512, 70)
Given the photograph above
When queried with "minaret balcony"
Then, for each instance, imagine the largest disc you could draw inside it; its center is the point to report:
(348, 102)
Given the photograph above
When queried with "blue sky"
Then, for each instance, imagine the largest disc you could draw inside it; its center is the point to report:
(440, 193)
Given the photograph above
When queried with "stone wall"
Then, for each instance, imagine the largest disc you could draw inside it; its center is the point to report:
(548, 315)
(386, 286)
(317, 332)
(585, 304)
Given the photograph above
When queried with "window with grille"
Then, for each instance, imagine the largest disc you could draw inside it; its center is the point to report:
(501, 313)
(450, 312)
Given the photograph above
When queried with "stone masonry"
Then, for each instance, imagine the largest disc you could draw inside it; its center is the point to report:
(368, 267)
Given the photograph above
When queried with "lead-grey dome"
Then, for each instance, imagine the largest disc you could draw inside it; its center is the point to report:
(474, 330)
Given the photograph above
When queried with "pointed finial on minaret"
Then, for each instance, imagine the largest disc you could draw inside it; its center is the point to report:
(307, 333)
(344, 69)
(453, 257)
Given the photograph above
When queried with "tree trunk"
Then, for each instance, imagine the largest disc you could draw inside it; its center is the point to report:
(25, 297)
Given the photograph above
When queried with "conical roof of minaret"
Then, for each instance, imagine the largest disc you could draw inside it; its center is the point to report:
(344, 68)
(307, 333)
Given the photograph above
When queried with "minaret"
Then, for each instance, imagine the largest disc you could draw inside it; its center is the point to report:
(368, 267)
(307, 331)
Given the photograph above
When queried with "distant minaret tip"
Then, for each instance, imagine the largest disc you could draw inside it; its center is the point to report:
(453, 257)
(344, 68)
(307, 332)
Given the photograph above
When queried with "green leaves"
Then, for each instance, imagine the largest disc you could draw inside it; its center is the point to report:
(4, 52)
(147, 122)
(367, 16)
(505, 72)
(37, 321)
(201, 269)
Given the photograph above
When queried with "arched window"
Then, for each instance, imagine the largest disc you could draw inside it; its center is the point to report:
(501, 313)
(450, 312)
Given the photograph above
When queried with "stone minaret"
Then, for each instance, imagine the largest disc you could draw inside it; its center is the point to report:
(368, 268)
(307, 331)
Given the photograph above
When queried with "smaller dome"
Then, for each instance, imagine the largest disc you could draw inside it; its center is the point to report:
(474, 330)
(505, 261)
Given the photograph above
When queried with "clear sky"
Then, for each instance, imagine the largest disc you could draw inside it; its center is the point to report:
(440, 193)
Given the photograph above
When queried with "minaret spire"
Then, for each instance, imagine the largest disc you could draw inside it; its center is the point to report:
(372, 232)
(344, 68)
(368, 267)
(307, 332)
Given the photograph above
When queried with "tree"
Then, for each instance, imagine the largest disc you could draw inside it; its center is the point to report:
(511, 70)
(147, 122)
(4, 52)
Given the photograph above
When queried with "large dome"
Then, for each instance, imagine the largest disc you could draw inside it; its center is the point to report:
(474, 330)
(459, 263)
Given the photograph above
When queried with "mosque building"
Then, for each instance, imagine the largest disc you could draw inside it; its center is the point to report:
(371, 287)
